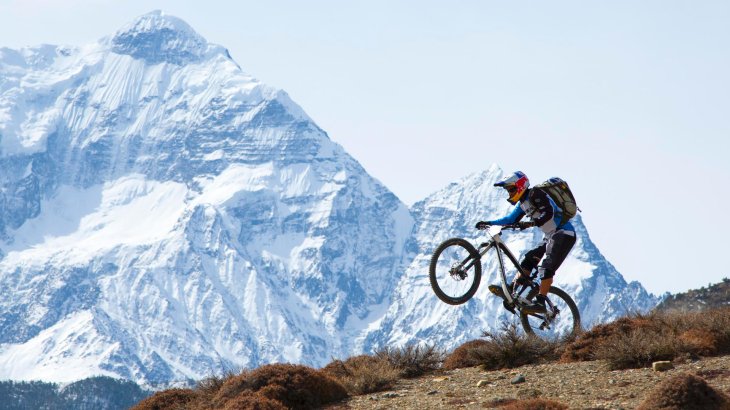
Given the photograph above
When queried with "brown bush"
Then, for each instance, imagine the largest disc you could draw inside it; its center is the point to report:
(535, 404)
(363, 374)
(700, 342)
(464, 356)
(639, 340)
(684, 392)
(717, 322)
(507, 349)
(413, 360)
(584, 347)
(208, 387)
(293, 385)
(638, 349)
(171, 399)
(510, 348)
(252, 401)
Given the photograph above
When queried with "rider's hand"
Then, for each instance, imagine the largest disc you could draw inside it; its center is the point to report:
(481, 225)
(525, 225)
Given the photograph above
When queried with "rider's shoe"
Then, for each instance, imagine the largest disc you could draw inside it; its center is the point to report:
(538, 305)
(496, 290)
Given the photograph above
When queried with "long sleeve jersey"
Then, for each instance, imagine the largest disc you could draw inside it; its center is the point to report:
(541, 209)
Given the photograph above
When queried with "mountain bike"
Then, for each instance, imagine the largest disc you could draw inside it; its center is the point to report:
(456, 270)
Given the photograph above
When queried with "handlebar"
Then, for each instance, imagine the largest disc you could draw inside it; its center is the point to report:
(515, 227)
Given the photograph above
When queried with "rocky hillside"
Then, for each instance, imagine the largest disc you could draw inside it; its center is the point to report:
(712, 296)
(583, 385)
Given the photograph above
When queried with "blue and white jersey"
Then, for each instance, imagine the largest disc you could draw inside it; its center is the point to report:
(541, 209)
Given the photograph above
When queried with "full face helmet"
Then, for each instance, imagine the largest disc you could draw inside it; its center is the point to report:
(516, 185)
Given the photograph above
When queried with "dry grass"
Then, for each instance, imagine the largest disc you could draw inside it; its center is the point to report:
(466, 355)
(293, 386)
(363, 374)
(413, 360)
(168, 399)
(535, 404)
(685, 392)
(508, 348)
(639, 340)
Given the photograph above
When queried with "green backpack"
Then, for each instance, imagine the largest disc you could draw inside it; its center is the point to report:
(560, 193)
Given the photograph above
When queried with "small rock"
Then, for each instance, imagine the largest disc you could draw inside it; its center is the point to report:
(432, 392)
(662, 366)
(441, 379)
(518, 379)
(482, 383)
(390, 395)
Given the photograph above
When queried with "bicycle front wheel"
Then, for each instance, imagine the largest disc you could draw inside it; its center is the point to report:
(455, 271)
(563, 325)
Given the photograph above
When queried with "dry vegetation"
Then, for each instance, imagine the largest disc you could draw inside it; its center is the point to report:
(630, 342)
(637, 341)
(687, 392)
(508, 348)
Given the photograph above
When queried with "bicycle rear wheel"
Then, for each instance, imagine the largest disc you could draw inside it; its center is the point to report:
(455, 271)
(564, 325)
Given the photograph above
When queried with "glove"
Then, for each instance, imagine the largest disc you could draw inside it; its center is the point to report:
(481, 225)
(525, 225)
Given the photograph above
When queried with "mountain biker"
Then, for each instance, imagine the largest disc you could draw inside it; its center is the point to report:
(558, 240)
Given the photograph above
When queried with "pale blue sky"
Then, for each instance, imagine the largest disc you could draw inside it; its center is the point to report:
(627, 100)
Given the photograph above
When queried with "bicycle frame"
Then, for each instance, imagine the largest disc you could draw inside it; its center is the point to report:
(494, 242)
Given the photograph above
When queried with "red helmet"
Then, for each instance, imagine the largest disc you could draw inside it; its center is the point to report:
(516, 185)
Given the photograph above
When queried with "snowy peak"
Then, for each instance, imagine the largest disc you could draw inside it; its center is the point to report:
(159, 38)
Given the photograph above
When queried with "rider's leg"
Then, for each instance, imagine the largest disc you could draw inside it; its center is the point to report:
(558, 246)
(532, 258)
(545, 286)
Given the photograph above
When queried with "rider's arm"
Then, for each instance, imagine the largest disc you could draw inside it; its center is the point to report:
(513, 217)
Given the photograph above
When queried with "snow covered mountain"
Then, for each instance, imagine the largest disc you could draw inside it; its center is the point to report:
(164, 216)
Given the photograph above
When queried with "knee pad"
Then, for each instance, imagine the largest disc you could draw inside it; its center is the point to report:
(529, 262)
(546, 273)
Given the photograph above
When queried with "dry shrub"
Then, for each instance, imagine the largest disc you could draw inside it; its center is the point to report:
(717, 322)
(253, 401)
(464, 355)
(171, 399)
(294, 386)
(535, 404)
(584, 347)
(699, 342)
(363, 374)
(208, 387)
(639, 340)
(413, 360)
(510, 348)
(684, 392)
(637, 349)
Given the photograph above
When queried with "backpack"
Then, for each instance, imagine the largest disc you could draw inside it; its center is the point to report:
(560, 193)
